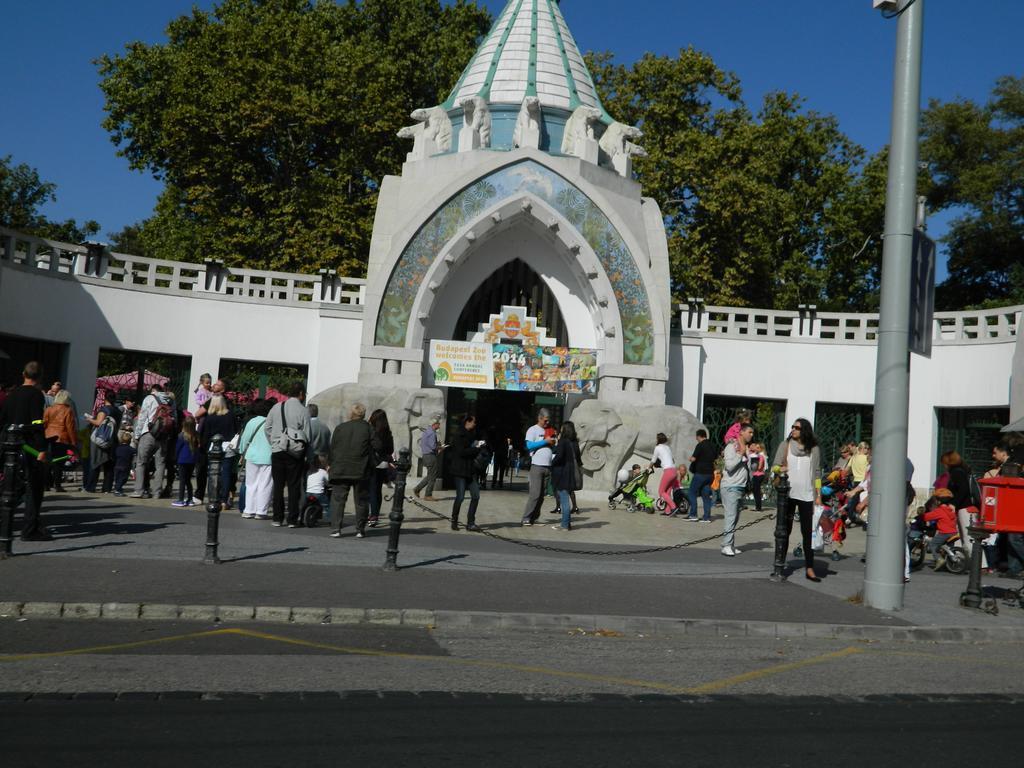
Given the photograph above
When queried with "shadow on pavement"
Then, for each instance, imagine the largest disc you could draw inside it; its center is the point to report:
(435, 561)
(75, 549)
(261, 555)
(69, 531)
(54, 508)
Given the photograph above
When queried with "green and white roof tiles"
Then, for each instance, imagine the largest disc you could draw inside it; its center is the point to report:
(529, 52)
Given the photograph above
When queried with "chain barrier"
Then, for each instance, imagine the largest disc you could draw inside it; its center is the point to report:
(548, 548)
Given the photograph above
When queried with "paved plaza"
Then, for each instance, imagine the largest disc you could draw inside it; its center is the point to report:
(120, 550)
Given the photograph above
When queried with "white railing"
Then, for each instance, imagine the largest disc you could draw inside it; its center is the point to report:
(972, 326)
(179, 277)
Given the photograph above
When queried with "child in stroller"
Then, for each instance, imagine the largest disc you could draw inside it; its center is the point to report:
(317, 502)
(633, 490)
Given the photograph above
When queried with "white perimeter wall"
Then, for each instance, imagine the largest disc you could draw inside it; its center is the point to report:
(206, 327)
(805, 373)
(89, 314)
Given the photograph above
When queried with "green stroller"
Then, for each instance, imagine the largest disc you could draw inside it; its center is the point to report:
(634, 494)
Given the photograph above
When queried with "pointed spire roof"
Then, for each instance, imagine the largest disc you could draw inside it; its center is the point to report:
(528, 52)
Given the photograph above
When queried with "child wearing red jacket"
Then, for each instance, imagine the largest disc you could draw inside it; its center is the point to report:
(936, 509)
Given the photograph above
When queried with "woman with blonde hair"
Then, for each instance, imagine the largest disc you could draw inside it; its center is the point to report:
(219, 421)
(61, 434)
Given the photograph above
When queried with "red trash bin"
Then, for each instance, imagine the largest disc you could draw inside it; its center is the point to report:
(1002, 504)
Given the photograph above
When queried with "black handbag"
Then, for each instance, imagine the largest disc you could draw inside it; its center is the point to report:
(577, 470)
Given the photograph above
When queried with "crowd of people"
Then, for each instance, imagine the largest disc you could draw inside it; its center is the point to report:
(277, 456)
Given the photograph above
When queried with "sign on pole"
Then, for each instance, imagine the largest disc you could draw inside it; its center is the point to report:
(922, 294)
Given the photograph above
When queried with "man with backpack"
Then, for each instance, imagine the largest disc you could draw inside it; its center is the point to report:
(155, 422)
(287, 430)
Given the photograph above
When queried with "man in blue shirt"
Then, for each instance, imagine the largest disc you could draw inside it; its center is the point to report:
(430, 450)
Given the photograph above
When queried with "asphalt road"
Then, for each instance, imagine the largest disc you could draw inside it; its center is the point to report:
(435, 730)
(136, 693)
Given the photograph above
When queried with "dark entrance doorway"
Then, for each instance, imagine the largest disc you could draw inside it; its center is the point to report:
(501, 416)
(514, 284)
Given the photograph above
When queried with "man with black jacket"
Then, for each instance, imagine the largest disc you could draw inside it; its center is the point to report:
(351, 464)
(702, 471)
(25, 406)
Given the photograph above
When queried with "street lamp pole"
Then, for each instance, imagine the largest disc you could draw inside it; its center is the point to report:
(883, 582)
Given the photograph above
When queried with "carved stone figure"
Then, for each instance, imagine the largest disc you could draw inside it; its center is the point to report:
(527, 132)
(476, 124)
(409, 410)
(580, 138)
(618, 148)
(614, 436)
(431, 135)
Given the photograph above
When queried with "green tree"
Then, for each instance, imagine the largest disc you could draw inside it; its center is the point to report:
(766, 210)
(273, 122)
(23, 193)
(975, 157)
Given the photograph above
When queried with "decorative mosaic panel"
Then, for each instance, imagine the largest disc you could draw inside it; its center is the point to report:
(576, 207)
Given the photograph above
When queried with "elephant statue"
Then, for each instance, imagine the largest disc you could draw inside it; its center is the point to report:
(409, 411)
(613, 436)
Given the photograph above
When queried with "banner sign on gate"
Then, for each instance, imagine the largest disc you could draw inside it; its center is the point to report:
(531, 368)
(465, 364)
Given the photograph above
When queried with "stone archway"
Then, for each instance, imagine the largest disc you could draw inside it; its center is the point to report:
(600, 248)
(517, 231)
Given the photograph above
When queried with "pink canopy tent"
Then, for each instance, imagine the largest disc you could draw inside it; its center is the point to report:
(117, 382)
(244, 398)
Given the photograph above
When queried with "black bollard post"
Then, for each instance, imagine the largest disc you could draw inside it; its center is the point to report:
(782, 526)
(972, 598)
(13, 439)
(214, 456)
(396, 517)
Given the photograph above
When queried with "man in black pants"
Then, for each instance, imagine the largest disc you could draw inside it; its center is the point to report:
(25, 405)
(702, 470)
(287, 430)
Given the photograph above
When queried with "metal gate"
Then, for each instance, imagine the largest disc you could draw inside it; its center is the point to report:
(836, 424)
(129, 374)
(971, 432)
(769, 419)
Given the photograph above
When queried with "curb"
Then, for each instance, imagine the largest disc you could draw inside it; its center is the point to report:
(440, 619)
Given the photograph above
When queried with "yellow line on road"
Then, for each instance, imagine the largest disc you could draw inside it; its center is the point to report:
(114, 647)
(710, 687)
(758, 674)
(625, 681)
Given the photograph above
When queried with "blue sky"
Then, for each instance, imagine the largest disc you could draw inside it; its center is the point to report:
(837, 54)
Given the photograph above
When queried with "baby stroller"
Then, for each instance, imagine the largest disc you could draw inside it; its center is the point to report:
(312, 511)
(634, 494)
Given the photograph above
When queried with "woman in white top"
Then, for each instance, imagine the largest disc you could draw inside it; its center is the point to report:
(800, 457)
(669, 477)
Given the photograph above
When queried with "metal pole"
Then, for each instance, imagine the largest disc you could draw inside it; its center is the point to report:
(883, 582)
(12, 463)
(783, 516)
(972, 598)
(396, 517)
(214, 457)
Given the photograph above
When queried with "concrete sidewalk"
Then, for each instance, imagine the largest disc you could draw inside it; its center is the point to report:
(119, 550)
